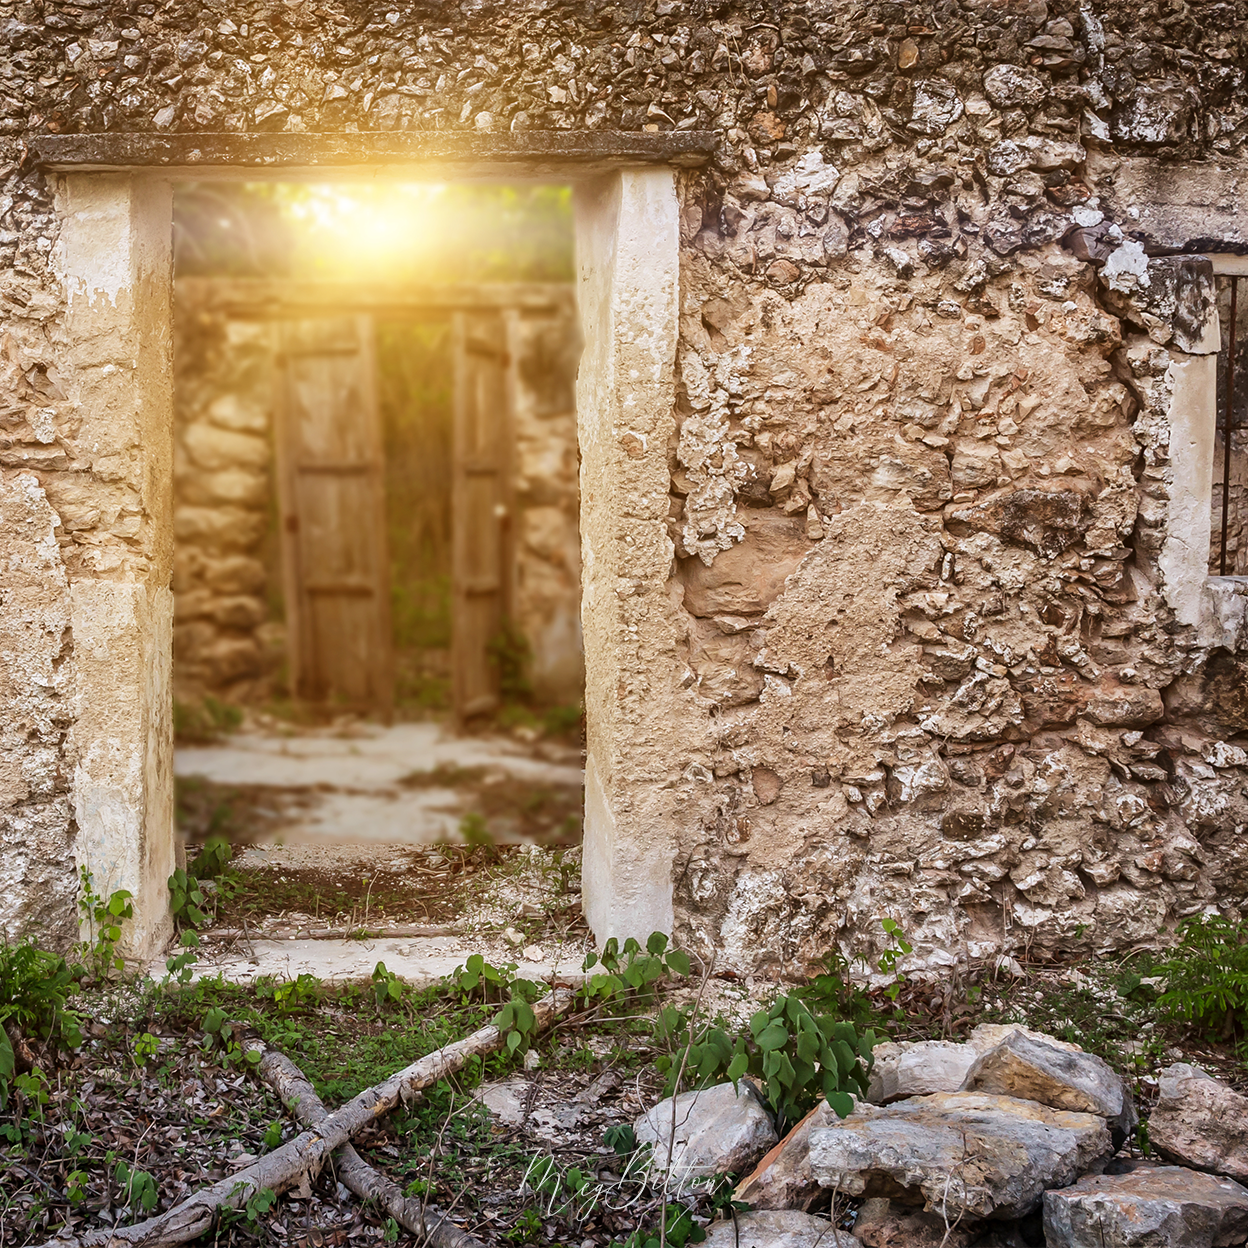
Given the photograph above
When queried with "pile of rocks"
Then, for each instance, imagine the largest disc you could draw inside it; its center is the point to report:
(1010, 1139)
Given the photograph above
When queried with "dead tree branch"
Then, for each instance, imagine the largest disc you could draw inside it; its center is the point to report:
(303, 1157)
(299, 1096)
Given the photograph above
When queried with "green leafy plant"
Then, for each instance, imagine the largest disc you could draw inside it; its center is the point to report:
(35, 988)
(478, 979)
(629, 971)
(475, 831)
(797, 1056)
(219, 1038)
(211, 861)
(517, 1022)
(892, 954)
(387, 986)
(146, 1047)
(303, 992)
(186, 900)
(259, 1203)
(273, 1135)
(138, 1188)
(104, 917)
(679, 1229)
(1207, 976)
(178, 965)
(526, 1228)
(621, 1139)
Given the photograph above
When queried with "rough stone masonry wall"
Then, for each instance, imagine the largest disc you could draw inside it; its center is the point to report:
(548, 550)
(904, 386)
(226, 642)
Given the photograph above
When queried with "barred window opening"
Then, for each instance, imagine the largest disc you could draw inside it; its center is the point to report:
(1228, 544)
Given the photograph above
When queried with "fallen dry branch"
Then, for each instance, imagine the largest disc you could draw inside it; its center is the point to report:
(302, 1158)
(299, 1096)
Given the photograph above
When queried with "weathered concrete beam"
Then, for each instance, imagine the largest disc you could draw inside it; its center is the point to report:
(627, 235)
(539, 154)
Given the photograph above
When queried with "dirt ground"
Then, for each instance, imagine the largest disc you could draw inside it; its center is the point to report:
(518, 1150)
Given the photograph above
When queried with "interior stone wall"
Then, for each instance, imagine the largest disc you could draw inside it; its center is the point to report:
(226, 641)
(547, 590)
(931, 636)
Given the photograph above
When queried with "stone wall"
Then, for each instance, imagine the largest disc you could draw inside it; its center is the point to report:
(936, 638)
(227, 574)
(225, 643)
(548, 550)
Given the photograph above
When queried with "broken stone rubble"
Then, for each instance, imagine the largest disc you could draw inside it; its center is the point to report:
(781, 1228)
(1149, 1207)
(1030, 1068)
(959, 1154)
(1199, 1121)
(916, 1067)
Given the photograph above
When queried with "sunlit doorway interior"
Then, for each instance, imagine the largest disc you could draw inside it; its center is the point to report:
(377, 578)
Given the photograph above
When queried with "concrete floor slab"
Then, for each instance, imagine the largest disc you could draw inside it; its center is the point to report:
(353, 780)
(419, 961)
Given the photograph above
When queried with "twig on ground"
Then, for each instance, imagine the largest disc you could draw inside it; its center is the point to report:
(304, 1156)
(299, 1096)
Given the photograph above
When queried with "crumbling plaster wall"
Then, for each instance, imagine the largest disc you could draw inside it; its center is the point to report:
(921, 652)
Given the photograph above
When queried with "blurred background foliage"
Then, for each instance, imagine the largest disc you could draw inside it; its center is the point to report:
(425, 233)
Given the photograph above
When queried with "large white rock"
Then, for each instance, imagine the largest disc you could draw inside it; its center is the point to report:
(959, 1153)
(1151, 1207)
(1200, 1122)
(1035, 1070)
(778, 1228)
(719, 1130)
(918, 1068)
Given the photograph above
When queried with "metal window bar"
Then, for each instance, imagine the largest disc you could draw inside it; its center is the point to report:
(1227, 426)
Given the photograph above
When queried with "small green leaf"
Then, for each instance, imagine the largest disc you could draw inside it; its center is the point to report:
(678, 961)
(773, 1036)
(808, 1046)
(842, 1104)
(656, 943)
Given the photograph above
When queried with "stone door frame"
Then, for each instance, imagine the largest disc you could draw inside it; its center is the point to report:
(114, 197)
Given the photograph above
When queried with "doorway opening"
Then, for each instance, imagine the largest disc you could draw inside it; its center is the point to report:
(377, 564)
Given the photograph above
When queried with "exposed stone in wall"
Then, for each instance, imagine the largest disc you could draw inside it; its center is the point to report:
(936, 665)
(548, 552)
(224, 641)
(37, 867)
(922, 480)
(37, 870)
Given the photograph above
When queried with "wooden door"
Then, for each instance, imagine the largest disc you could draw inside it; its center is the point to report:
(332, 503)
(481, 530)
